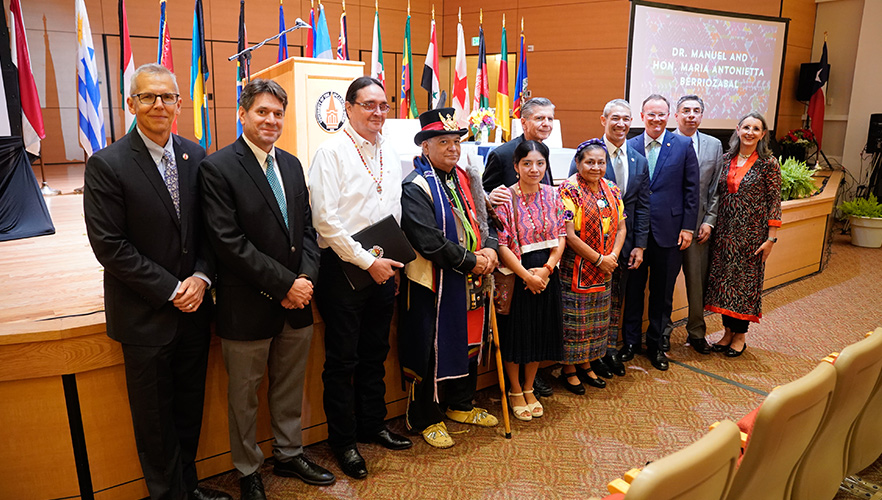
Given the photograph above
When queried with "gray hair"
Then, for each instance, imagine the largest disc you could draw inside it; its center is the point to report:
(762, 147)
(151, 69)
(616, 103)
(690, 97)
(260, 86)
(656, 97)
(528, 108)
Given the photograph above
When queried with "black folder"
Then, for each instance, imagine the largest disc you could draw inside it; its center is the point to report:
(382, 239)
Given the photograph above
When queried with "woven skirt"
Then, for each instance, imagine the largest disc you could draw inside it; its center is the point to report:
(585, 318)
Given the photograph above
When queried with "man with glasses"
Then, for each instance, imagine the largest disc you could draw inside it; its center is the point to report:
(143, 218)
(673, 212)
(355, 181)
(257, 213)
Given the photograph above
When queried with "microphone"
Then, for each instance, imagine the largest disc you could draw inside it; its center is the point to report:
(300, 23)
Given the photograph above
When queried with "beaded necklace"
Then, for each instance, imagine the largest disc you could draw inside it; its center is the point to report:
(378, 180)
(539, 199)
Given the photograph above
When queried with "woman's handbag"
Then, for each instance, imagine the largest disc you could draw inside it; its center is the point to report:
(504, 283)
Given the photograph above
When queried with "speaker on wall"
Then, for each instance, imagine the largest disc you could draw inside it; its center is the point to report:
(807, 74)
(874, 134)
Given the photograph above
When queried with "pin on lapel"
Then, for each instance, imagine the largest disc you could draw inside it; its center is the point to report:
(668, 144)
(186, 156)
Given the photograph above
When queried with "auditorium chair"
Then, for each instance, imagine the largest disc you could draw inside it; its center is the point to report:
(778, 433)
(866, 435)
(701, 471)
(824, 464)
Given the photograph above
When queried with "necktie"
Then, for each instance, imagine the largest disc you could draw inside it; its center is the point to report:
(276, 187)
(171, 180)
(653, 156)
(619, 170)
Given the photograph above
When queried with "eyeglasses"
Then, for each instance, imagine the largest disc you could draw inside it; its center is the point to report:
(149, 98)
(372, 106)
(657, 116)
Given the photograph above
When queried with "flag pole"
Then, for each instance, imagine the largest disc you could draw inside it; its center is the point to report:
(499, 369)
(430, 105)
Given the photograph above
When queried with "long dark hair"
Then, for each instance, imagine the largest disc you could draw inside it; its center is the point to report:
(762, 147)
(525, 147)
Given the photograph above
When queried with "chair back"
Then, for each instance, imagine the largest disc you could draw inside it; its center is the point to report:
(701, 471)
(784, 426)
(866, 436)
(823, 467)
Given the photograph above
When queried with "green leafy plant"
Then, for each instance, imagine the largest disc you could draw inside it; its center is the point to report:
(861, 207)
(796, 179)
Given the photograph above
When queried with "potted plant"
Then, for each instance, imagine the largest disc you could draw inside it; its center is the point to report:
(865, 218)
(795, 143)
(796, 179)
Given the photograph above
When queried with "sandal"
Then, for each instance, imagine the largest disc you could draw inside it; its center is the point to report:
(536, 408)
(524, 413)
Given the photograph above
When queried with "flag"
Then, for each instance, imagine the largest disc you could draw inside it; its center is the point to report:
(503, 119)
(241, 65)
(283, 40)
(521, 94)
(164, 54)
(310, 37)
(10, 105)
(322, 37)
(32, 115)
(126, 65)
(91, 115)
(430, 71)
(817, 102)
(378, 71)
(460, 81)
(482, 89)
(342, 40)
(407, 106)
(198, 77)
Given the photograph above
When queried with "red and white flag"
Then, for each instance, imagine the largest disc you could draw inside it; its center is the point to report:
(430, 80)
(32, 115)
(460, 81)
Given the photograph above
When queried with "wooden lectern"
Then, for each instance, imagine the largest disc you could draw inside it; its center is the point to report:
(316, 97)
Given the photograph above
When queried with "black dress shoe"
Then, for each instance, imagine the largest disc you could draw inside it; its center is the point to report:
(351, 463)
(304, 469)
(389, 440)
(658, 359)
(208, 494)
(626, 353)
(732, 353)
(615, 365)
(720, 347)
(600, 368)
(595, 381)
(577, 389)
(700, 345)
(541, 387)
(251, 487)
(664, 343)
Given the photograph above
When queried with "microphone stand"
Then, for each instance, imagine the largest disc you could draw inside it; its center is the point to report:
(246, 54)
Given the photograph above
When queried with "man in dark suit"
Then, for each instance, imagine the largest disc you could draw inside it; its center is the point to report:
(709, 151)
(142, 210)
(537, 118)
(257, 213)
(673, 212)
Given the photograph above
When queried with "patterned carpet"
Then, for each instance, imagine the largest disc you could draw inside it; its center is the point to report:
(585, 441)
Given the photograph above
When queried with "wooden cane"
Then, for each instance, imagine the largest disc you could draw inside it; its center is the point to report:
(500, 370)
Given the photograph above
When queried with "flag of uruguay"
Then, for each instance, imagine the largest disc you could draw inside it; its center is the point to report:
(91, 116)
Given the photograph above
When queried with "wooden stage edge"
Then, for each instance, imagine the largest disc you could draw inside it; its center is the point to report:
(62, 380)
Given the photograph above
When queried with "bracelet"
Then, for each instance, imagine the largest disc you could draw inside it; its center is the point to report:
(599, 260)
(773, 240)
(549, 267)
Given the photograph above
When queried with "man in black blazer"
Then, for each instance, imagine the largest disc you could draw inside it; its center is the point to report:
(257, 213)
(142, 210)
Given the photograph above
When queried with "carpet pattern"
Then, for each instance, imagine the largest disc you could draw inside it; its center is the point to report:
(583, 442)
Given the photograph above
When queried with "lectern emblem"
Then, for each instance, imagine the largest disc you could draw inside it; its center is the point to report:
(330, 112)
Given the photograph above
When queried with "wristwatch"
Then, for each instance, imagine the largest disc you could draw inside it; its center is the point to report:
(773, 240)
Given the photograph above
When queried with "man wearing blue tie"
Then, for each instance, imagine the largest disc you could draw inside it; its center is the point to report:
(673, 201)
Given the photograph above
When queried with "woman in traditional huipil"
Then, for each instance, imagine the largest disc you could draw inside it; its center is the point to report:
(530, 246)
(748, 219)
(595, 222)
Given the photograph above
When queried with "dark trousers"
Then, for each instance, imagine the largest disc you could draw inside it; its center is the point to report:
(735, 324)
(454, 394)
(660, 266)
(618, 285)
(166, 387)
(356, 345)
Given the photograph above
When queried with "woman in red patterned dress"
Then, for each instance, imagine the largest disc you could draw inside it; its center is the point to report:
(748, 220)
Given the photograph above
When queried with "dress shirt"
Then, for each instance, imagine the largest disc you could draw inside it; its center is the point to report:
(611, 148)
(156, 152)
(344, 194)
(261, 160)
(694, 138)
(648, 140)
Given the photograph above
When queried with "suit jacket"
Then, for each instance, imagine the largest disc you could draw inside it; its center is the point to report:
(673, 189)
(137, 236)
(710, 164)
(499, 169)
(258, 258)
(636, 200)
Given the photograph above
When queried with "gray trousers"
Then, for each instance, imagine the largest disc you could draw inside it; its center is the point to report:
(696, 259)
(284, 357)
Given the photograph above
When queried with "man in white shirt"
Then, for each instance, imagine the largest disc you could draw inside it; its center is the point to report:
(355, 181)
